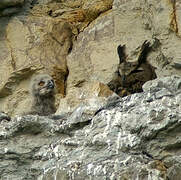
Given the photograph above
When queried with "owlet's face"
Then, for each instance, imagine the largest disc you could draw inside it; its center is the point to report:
(42, 85)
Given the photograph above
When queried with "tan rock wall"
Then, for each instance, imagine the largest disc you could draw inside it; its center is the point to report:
(33, 44)
(131, 22)
(37, 38)
(40, 38)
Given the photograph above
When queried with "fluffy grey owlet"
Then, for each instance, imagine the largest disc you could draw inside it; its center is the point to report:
(42, 89)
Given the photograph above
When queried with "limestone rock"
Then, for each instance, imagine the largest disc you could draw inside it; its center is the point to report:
(47, 29)
(92, 92)
(38, 39)
(4, 116)
(98, 136)
(10, 3)
(159, 21)
(94, 55)
(101, 90)
(132, 137)
(39, 47)
(10, 7)
(79, 13)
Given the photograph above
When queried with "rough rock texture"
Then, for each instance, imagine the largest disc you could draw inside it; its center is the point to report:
(99, 135)
(136, 137)
(131, 22)
(94, 90)
(32, 52)
(9, 7)
(37, 36)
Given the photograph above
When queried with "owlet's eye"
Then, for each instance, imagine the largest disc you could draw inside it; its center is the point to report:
(41, 83)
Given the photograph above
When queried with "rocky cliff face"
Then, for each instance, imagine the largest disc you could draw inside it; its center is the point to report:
(76, 41)
(37, 38)
(100, 135)
(135, 137)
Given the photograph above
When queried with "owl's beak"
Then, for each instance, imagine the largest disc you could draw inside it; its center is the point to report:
(50, 84)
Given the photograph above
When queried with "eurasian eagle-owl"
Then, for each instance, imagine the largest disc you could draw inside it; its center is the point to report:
(42, 89)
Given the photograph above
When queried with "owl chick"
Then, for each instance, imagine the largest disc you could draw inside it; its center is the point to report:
(42, 90)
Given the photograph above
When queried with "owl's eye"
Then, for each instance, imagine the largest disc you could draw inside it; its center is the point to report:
(41, 83)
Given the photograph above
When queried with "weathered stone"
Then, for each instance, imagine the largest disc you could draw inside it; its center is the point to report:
(41, 46)
(92, 92)
(100, 90)
(172, 84)
(127, 138)
(90, 57)
(10, 3)
(43, 43)
(78, 12)
(136, 137)
(4, 116)
(10, 11)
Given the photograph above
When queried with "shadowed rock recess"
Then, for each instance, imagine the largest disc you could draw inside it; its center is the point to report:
(135, 137)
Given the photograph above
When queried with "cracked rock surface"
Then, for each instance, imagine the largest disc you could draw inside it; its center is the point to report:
(135, 137)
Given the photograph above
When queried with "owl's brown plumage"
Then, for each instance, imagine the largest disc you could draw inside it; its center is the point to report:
(130, 76)
(42, 90)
